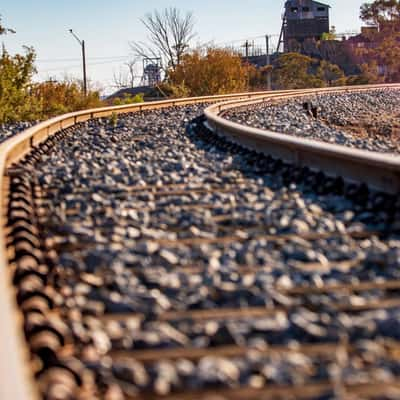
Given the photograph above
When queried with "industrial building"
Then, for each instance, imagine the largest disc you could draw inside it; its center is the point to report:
(303, 19)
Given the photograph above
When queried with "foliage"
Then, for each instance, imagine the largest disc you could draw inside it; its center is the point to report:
(369, 74)
(382, 13)
(128, 99)
(388, 53)
(385, 48)
(16, 72)
(297, 71)
(258, 77)
(211, 71)
(22, 99)
(327, 36)
(114, 120)
(4, 30)
(174, 90)
(294, 71)
(218, 71)
(61, 97)
(170, 33)
(331, 35)
(125, 78)
(331, 74)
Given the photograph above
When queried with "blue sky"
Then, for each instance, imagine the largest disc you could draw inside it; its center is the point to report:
(108, 26)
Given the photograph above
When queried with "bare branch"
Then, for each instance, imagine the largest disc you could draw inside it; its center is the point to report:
(126, 78)
(120, 79)
(169, 35)
(142, 50)
(3, 30)
(131, 71)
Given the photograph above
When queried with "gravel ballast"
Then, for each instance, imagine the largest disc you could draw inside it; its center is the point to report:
(149, 224)
(365, 120)
(9, 130)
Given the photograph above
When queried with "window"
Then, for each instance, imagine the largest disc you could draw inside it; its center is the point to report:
(321, 8)
(294, 10)
(306, 9)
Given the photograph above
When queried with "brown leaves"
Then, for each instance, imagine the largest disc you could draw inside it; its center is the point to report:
(210, 72)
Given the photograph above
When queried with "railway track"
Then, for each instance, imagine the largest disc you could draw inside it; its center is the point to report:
(217, 272)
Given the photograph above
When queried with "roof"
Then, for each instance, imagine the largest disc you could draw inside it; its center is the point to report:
(316, 2)
(322, 4)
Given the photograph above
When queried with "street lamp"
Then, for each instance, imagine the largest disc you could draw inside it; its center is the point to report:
(82, 44)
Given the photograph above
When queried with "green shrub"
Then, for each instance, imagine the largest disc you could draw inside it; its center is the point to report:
(114, 120)
(62, 97)
(16, 100)
(129, 99)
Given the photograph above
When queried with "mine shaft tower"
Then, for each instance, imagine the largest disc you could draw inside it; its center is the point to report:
(303, 19)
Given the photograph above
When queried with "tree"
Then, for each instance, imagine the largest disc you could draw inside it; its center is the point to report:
(382, 13)
(126, 79)
(331, 74)
(16, 72)
(23, 100)
(293, 71)
(388, 52)
(210, 71)
(385, 48)
(331, 35)
(4, 30)
(258, 77)
(169, 36)
(61, 97)
(369, 74)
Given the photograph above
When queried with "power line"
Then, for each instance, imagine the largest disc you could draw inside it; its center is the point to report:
(244, 39)
(55, 60)
(121, 58)
(78, 66)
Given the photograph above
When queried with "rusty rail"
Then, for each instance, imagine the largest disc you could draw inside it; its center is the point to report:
(379, 171)
(15, 377)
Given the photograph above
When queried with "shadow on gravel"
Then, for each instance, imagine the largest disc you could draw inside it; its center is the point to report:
(380, 212)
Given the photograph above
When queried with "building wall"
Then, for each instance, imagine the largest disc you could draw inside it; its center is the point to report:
(305, 9)
(305, 19)
(307, 28)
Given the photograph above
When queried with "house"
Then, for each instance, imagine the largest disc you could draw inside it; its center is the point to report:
(304, 19)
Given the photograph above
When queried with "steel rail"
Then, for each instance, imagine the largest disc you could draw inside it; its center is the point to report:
(377, 170)
(16, 382)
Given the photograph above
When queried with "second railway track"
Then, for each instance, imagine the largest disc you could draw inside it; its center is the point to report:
(151, 260)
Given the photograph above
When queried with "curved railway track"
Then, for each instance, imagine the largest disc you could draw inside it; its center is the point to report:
(377, 170)
(28, 260)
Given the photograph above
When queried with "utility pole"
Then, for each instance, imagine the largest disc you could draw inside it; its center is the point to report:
(268, 60)
(82, 44)
(247, 45)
